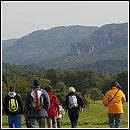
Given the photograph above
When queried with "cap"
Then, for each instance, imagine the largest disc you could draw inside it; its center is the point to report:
(36, 82)
(71, 89)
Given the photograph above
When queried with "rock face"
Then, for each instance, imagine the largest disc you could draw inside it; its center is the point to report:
(107, 37)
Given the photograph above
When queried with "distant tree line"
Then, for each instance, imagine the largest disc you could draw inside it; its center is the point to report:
(90, 85)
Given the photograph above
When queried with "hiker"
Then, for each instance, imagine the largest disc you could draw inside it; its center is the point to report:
(61, 115)
(114, 99)
(52, 111)
(13, 107)
(37, 102)
(74, 104)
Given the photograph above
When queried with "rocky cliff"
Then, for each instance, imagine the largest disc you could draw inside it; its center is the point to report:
(106, 37)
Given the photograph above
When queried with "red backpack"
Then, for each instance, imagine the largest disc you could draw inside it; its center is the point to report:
(37, 101)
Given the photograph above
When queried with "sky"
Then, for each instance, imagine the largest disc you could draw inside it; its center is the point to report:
(19, 18)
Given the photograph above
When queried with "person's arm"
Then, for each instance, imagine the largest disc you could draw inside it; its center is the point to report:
(123, 98)
(57, 105)
(63, 112)
(27, 101)
(46, 100)
(20, 104)
(65, 103)
(105, 100)
(80, 102)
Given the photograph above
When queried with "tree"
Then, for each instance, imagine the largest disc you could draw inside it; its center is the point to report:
(44, 83)
(107, 82)
(4, 90)
(61, 91)
(70, 78)
(85, 85)
(122, 78)
(51, 75)
(87, 100)
(95, 94)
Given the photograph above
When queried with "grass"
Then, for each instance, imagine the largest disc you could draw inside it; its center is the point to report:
(93, 117)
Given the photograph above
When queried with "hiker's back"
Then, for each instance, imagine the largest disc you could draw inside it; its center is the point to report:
(72, 101)
(14, 104)
(37, 103)
(114, 99)
(53, 110)
(13, 107)
(37, 99)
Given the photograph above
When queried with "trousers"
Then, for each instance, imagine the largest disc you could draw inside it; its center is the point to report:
(73, 116)
(116, 118)
(35, 120)
(58, 122)
(14, 121)
(51, 121)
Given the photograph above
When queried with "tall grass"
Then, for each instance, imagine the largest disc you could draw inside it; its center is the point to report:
(93, 117)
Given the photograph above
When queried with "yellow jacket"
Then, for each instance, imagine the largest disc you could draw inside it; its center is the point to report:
(115, 106)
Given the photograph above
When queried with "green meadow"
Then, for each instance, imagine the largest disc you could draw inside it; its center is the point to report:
(93, 117)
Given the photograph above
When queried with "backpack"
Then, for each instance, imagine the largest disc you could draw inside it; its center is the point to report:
(37, 101)
(72, 99)
(13, 104)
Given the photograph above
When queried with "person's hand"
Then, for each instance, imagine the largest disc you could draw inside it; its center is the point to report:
(81, 109)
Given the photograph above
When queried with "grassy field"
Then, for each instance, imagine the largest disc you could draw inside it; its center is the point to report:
(93, 117)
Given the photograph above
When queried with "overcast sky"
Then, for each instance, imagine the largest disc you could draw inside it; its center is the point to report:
(20, 18)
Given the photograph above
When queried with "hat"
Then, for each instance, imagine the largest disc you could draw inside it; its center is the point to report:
(36, 82)
(71, 89)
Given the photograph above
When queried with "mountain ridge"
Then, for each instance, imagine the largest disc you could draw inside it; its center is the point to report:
(73, 47)
(41, 44)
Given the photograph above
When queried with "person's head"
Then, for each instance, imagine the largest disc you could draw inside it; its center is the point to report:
(11, 89)
(115, 84)
(48, 89)
(72, 89)
(37, 82)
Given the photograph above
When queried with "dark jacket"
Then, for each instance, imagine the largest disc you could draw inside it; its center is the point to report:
(31, 111)
(79, 100)
(6, 104)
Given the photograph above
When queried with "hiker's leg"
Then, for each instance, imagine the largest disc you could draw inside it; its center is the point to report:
(54, 122)
(111, 120)
(49, 121)
(58, 122)
(71, 117)
(27, 122)
(42, 122)
(76, 116)
(11, 121)
(33, 122)
(17, 121)
(118, 120)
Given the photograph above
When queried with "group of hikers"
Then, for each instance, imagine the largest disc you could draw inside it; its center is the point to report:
(42, 104)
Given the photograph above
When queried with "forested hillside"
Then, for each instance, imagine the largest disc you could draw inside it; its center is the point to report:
(113, 61)
(45, 44)
(85, 82)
